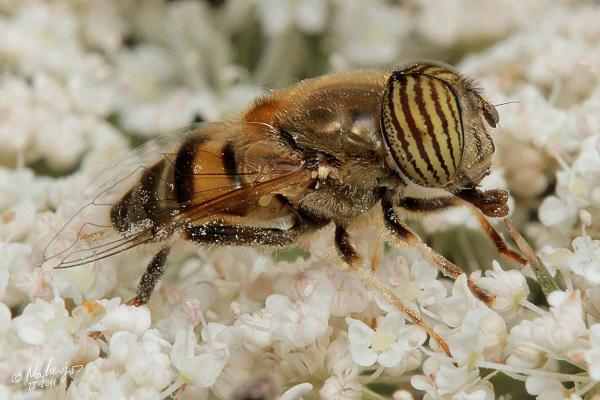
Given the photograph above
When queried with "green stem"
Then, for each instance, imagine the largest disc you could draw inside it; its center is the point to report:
(546, 281)
(368, 394)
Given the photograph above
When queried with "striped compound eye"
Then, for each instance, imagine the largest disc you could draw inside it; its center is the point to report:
(422, 127)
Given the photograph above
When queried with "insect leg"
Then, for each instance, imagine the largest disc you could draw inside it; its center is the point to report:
(425, 206)
(219, 233)
(154, 271)
(354, 262)
(490, 202)
(234, 235)
(215, 234)
(403, 236)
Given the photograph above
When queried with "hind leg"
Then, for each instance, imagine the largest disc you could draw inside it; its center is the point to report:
(154, 271)
(211, 235)
(221, 234)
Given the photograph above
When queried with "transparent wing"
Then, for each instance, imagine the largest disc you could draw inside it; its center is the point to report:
(137, 201)
(89, 230)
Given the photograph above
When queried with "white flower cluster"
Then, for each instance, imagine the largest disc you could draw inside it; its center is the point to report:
(81, 80)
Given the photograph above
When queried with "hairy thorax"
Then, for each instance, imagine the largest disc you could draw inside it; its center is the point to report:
(343, 193)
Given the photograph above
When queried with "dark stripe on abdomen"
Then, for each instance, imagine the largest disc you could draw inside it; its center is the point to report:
(230, 165)
(184, 169)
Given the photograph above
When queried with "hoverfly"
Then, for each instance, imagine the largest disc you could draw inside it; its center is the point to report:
(324, 151)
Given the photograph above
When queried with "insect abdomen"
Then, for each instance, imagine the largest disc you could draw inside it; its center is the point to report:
(145, 203)
(422, 127)
(205, 168)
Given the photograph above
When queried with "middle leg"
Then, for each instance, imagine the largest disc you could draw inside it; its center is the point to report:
(403, 236)
(354, 262)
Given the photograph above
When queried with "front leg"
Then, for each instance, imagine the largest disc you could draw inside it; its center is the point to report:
(490, 202)
(403, 236)
(431, 205)
(354, 262)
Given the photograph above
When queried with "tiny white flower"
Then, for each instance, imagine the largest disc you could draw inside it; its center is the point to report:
(339, 359)
(412, 361)
(5, 317)
(585, 259)
(555, 211)
(221, 335)
(522, 349)
(415, 284)
(296, 392)
(255, 330)
(99, 378)
(21, 185)
(200, 364)
(15, 272)
(43, 332)
(563, 328)
(341, 388)
(592, 297)
(573, 189)
(87, 282)
(546, 388)
(387, 344)
(482, 335)
(555, 259)
(295, 363)
(87, 314)
(452, 310)
(561, 331)
(16, 222)
(443, 380)
(182, 307)
(592, 355)
(125, 318)
(349, 294)
(297, 323)
(40, 320)
(239, 368)
(144, 358)
(509, 288)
